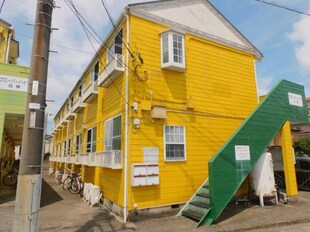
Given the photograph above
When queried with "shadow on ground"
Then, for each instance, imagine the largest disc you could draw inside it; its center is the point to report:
(48, 195)
(7, 194)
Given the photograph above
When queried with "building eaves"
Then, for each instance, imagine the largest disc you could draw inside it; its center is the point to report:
(140, 10)
(5, 23)
(99, 51)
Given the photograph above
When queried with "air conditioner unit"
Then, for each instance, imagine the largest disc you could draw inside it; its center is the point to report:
(94, 195)
(159, 112)
(86, 192)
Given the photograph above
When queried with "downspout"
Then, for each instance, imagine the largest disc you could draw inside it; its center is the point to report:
(126, 129)
(255, 76)
(8, 46)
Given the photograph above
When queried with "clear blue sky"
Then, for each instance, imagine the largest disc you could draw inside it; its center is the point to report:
(282, 36)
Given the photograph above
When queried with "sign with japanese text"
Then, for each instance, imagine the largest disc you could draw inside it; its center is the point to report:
(242, 152)
(295, 99)
(13, 83)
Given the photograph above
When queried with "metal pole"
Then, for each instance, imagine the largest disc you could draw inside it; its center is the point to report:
(28, 193)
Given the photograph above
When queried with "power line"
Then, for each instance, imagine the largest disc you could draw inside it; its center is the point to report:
(78, 15)
(58, 45)
(105, 5)
(2, 5)
(105, 45)
(284, 7)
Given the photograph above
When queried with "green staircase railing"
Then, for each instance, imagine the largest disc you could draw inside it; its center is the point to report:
(236, 158)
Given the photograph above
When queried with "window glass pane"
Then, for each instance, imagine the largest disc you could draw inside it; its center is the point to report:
(117, 126)
(165, 47)
(111, 51)
(175, 148)
(108, 133)
(119, 42)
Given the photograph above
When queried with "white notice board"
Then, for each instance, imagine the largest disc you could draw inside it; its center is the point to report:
(242, 152)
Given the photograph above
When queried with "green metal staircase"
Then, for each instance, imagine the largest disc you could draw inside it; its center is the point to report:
(236, 158)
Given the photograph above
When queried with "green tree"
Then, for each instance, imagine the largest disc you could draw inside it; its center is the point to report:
(302, 147)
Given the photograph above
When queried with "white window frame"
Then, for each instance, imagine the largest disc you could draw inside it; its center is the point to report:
(79, 144)
(181, 143)
(93, 143)
(111, 48)
(64, 148)
(93, 74)
(171, 64)
(108, 142)
(70, 141)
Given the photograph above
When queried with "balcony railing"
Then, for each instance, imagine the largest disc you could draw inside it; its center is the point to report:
(90, 92)
(113, 159)
(112, 70)
(78, 105)
(83, 158)
(108, 159)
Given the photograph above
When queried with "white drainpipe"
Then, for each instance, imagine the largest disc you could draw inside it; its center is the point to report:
(126, 130)
(8, 47)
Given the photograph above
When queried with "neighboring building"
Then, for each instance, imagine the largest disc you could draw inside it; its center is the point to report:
(13, 88)
(308, 107)
(143, 125)
(48, 145)
(9, 47)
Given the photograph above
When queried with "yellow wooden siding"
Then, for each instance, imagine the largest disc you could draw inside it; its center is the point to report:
(218, 81)
(288, 160)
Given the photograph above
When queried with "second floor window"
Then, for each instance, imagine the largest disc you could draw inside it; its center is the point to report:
(70, 146)
(91, 140)
(172, 51)
(78, 144)
(115, 46)
(94, 73)
(112, 134)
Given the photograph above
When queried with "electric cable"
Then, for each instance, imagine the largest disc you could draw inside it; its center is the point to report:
(77, 14)
(2, 5)
(284, 7)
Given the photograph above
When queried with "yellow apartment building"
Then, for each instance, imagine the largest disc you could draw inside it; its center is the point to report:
(9, 47)
(166, 89)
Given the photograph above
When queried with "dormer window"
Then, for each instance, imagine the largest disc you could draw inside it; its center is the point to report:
(172, 51)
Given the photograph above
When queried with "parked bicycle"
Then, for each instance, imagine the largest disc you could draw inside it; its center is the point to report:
(77, 185)
(10, 179)
(68, 180)
(58, 177)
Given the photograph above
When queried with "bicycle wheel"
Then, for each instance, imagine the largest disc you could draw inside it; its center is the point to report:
(10, 179)
(74, 187)
(67, 183)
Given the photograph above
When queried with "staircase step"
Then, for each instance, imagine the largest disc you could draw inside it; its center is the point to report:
(200, 204)
(206, 186)
(192, 214)
(205, 195)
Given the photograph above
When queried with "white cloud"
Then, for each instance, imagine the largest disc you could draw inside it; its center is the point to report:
(264, 85)
(301, 35)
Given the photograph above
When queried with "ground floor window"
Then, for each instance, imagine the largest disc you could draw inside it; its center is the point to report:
(174, 140)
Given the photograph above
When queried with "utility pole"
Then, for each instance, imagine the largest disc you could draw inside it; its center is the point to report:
(28, 195)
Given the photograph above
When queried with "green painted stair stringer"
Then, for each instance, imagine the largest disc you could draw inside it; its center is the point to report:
(226, 174)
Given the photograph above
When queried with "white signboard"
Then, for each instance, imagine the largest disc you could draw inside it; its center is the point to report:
(242, 152)
(295, 99)
(150, 154)
(13, 83)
